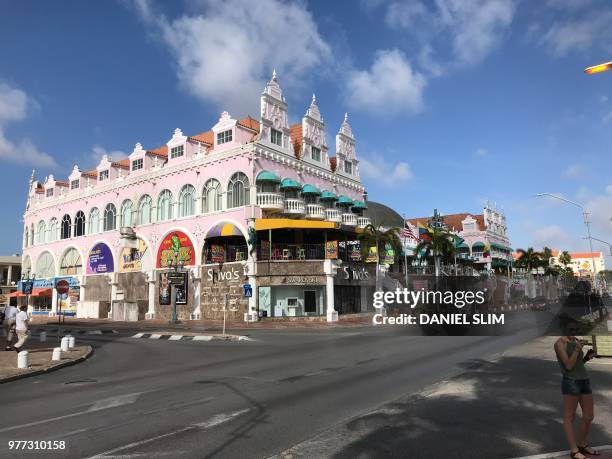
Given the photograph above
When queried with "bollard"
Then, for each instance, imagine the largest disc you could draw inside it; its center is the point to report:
(70, 342)
(43, 337)
(57, 354)
(22, 359)
(64, 344)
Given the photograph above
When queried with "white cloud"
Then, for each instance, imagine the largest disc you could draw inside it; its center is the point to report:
(97, 152)
(481, 152)
(389, 86)
(600, 208)
(573, 171)
(13, 107)
(403, 15)
(225, 51)
(376, 167)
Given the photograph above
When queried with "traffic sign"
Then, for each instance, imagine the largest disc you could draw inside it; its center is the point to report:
(62, 286)
(248, 290)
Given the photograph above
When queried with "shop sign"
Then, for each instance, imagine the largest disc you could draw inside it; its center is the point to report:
(100, 260)
(331, 250)
(217, 253)
(131, 259)
(358, 274)
(302, 280)
(228, 274)
(174, 243)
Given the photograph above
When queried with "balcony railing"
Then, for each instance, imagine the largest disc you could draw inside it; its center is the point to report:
(315, 212)
(349, 219)
(333, 215)
(362, 222)
(270, 201)
(298, 252)
(295, 206)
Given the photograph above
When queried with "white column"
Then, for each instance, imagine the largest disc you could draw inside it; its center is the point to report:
(330, 267)
(251, 272)
(53, 312)
(113, 292)
(197, 285)
(151, 281)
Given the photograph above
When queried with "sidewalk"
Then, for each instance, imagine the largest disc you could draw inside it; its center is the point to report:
(39, 355)
(606, 453)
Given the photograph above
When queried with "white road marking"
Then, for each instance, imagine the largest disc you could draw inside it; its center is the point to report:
(138, 335)
(156, 336)
(93, 332)
(175, 337)
(212, 422)
(97, 406)
(202, 338)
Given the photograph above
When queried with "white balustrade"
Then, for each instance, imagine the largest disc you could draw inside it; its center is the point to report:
(349, 219)
(315, 212)
(333, 215)
(270, 201)
(295, 206)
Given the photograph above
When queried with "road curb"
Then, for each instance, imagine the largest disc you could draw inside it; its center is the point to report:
(57, 366)
(178, 337)
(563, 453)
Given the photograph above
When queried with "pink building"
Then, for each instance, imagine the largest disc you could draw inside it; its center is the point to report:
(249, 206)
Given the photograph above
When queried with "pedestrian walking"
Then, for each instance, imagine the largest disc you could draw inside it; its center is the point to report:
(576, 389)
(22, 327)
(10, 312)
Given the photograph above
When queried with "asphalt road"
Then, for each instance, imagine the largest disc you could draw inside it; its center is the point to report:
(148, 398)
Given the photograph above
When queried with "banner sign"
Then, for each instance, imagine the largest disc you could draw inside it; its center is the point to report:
(372, 255)
(176, 243)
(131, 259)
(389, 256)
(217, 253)
(331, 250)
(26, 287)
(164, 289)
(100, 260)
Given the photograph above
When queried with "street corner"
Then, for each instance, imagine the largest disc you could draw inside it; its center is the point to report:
(605, 453)
(40, 360)
(199, 337)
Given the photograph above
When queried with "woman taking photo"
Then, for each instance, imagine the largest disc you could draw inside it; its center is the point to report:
(576, 389)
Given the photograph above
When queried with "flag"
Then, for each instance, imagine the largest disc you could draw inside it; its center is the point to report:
(407, 232)
(458, 241)
(424, 232)
(487, 250)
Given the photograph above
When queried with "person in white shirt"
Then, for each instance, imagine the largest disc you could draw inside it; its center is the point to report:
(22, 325)
(10, 312)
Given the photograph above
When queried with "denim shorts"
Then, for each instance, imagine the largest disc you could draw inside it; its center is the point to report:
(575, 386)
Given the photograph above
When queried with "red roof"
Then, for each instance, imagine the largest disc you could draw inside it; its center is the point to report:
(453, 221)
(122, 163)
(249, 123)
(61, 183)
(585, 255)
(161, 151)
(92, 174)
(205, 137)
(297, 138)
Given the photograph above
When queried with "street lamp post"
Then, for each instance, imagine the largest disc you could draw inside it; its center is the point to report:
(177, 264)
(587, 223)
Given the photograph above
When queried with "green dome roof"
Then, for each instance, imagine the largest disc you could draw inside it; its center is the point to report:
(310, 189)
(267, 176)
(328, 195)
(345, 200)
(290, 183)
(360, 205)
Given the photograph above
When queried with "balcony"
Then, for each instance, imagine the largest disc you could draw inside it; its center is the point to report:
(333, 215)
(295, 206)
(270, 201)
(349, 219)
(362, 222)
(315, 212)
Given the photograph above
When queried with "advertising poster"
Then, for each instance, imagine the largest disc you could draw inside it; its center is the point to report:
(217, 253)
(372, 254)
(164, 289)
(131, 259)
(181, 291)
(100, 260)
(389, 255)
(179, 243)
(331, 250)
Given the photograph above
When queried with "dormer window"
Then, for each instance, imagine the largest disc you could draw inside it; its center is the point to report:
(276, 137)
(103, 175)
(316, 154)
(74, 184)
(177, 152)
(348, 167)
(49, 192)
(138, 164)
(224, 137)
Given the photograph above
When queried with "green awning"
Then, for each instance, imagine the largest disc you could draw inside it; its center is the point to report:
(478, 245)
(345, 200)
(495, 245)
(463, 245)
(288, 183)
(329, 196)
(360, 205)
(267, 176)
(310, 189)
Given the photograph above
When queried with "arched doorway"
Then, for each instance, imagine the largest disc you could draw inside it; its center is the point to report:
(224, 243)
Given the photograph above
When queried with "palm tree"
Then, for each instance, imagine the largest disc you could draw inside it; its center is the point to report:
(373, 236)
(528, 258)
(441, 244)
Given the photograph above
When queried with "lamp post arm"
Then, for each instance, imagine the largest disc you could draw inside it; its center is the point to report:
(561, 199)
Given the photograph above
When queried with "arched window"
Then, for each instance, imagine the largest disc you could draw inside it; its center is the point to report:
(45, 267)
(144, 210)
(66, 227)
(126, 213)
(71, 263)
(31, 241)
(26, 266)
(79, 223)
(164, 206)
(41, 229)
(238, 191)
(211, 196)
(110, 217)
(52, 230)
(187, 200)
(94, 221)
(26, 236)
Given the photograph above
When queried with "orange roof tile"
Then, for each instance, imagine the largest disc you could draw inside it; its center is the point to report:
(297, 138)
(122, 163)
(161, 151)
(333, 163)
(93, 174)
(205, 137)
(61, 183)
(585, 255)
(249, 123)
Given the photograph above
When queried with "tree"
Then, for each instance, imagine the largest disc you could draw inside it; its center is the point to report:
(528, 259)
(440, 245)
(545, 256)
(565, 258)
(378, 237)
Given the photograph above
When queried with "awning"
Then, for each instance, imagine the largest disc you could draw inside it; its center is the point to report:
(478, 245)
(495, 245)
(35, 292)
(463, 245)
(360, 205)
(310, 189)
(278, 223)
(267, 176)
(345, 200)
(328, 196)
(224, 229)
(288, 183)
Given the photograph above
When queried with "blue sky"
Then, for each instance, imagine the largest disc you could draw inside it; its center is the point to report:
(458, 101)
